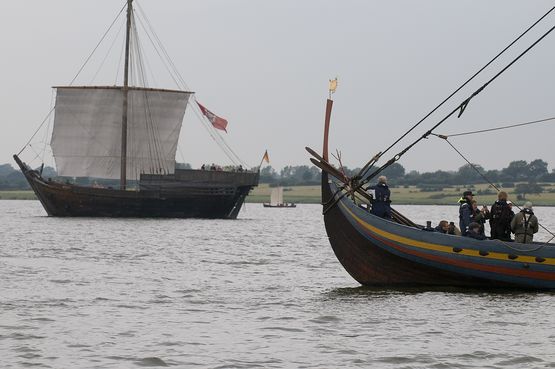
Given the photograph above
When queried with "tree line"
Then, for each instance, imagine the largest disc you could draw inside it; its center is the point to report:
(517, 171)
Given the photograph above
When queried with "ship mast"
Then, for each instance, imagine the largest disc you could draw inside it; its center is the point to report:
(123, 173)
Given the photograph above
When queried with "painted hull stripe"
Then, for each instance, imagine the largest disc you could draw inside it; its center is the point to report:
(446, 260)
(443, 248)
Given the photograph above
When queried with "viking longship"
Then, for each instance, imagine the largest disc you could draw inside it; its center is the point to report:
(131, 133)
(399, 252)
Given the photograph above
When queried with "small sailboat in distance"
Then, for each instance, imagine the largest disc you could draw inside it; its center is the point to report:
(276, 199)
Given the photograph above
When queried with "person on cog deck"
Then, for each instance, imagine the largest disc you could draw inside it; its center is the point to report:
(381, 202)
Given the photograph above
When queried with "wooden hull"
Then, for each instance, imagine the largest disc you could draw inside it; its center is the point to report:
(195, 200)
(377, 252)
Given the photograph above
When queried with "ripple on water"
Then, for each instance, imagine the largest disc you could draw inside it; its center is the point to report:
(151, 361)
(261, 292)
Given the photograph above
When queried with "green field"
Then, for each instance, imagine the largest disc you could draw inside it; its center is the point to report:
(399, 195)
(410, 195)
(296, 194)
(17, 195)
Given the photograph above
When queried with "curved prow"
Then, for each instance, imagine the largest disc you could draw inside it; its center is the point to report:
(325, 153)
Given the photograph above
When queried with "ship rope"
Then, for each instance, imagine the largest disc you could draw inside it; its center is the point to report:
(496, 128)
(98, 44)
(498, 189)
(49, 114)
(372, 161)
(154, 141)
(180, 82)
(46, 134)
(460, 109)
(140, 75)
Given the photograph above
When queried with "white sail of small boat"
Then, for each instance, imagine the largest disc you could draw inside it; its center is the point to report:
(276, 199)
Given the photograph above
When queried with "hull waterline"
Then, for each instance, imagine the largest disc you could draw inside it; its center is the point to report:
(193, 200)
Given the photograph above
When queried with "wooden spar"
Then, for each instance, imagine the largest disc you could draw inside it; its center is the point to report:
(123, 172)
(329, 106)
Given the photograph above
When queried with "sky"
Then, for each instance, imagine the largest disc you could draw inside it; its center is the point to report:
(265, 67)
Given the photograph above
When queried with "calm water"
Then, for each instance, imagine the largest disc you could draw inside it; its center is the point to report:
(265, 291)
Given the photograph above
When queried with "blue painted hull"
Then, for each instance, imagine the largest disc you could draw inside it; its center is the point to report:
(376, 251)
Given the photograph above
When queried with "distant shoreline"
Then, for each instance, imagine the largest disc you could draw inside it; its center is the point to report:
(399, 196)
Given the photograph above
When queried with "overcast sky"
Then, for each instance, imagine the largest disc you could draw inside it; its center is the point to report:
(264, 65)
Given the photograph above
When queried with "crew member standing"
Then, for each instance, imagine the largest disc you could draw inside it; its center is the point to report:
(500, 218)
(381, 203)
(525, 224)
(465, 211)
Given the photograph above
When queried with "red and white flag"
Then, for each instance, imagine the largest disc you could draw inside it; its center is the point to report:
(217, 122)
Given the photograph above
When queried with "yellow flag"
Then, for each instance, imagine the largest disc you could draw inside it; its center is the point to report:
(266, 158)
(333, 85)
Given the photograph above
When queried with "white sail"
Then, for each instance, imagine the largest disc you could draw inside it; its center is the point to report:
(276, 197)
(86, 138)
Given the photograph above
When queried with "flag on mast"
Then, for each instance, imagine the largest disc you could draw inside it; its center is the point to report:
(266, 158)
(333, 85)
(217, 122)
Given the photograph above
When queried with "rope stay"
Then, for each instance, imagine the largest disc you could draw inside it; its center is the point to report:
(372, 161)
(97, 45)
(496, 128)
(139, 76)
(180, 82)
(459, 108)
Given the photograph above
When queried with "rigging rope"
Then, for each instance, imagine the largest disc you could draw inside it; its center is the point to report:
(74, 78)
(180, 82)
(36, 131)
(365, 169)
(461, 108)
(107, 53)
(496, 128)
(52, 102)
(152, 128)
(97, 45)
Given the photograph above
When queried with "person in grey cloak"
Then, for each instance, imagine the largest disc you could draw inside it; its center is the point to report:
(525, 224)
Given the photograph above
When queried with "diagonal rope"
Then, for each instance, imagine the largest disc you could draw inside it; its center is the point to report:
(98, 44)
(461, 108)
(497, 128)
(365, 169)
(180, 82)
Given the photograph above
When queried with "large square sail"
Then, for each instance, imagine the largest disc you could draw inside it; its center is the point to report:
(86, 138)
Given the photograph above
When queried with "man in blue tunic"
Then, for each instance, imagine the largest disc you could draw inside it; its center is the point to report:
(465, 211)
(381, 203)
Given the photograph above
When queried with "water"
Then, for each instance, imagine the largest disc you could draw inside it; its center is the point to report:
(264, 291)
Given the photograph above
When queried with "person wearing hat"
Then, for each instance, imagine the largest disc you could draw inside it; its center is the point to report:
(525, 224)
(381, 203)
(465, 211)
(501, 214)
